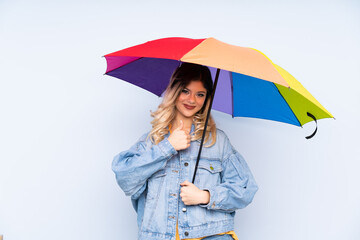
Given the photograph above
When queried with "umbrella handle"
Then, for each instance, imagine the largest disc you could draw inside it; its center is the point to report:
(313, 134)
(206, 122)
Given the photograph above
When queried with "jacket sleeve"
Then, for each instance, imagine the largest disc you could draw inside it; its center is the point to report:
(133, 167)
(237, 187)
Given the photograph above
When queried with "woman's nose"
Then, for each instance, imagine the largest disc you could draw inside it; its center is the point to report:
(191, 98)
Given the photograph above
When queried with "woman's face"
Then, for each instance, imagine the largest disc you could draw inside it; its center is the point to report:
(191, 99)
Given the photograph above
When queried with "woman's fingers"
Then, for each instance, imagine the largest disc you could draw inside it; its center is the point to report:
(185, 183)
(191, 195)
(179, 138)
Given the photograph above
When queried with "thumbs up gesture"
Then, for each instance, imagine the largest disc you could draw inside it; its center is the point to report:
(179, 138)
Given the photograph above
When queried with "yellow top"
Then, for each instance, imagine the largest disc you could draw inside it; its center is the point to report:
(232, 233)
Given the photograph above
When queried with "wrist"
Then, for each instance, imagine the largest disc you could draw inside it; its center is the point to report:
(205, 197)
(172, 144)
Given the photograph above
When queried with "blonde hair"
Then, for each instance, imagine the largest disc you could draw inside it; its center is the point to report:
(166, 111)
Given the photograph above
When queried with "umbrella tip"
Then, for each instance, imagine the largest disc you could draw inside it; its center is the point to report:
(334, 118)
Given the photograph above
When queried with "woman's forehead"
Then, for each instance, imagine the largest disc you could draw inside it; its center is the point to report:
(196, 85)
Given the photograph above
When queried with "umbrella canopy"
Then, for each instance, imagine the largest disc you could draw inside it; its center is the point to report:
(249, 83)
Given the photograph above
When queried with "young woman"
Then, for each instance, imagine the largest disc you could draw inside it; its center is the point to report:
(157, 171)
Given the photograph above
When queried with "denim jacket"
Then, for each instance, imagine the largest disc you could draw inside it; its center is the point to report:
(151, 175)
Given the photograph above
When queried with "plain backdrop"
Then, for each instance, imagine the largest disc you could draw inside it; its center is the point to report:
(62, 121)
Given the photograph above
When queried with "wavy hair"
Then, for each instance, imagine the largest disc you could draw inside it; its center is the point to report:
(166, 111)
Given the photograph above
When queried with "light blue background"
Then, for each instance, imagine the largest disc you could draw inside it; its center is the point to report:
(62, 121)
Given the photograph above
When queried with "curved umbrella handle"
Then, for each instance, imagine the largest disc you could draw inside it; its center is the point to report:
(313, 134)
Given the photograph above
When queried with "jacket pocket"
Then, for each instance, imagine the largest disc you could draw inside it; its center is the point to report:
(208, 173)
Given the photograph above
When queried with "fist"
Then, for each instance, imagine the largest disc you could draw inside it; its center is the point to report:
(179, 138)
(191, 195)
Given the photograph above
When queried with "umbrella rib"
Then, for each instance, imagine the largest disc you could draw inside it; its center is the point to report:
(287, 104)
(232, 94)
(106, 73)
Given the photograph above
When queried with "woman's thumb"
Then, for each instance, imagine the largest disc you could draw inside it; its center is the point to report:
(181, 125)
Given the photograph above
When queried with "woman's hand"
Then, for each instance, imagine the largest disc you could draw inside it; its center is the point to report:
(191, 195)
(179, 138)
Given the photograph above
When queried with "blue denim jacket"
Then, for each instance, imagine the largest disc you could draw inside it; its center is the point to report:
(151, 175)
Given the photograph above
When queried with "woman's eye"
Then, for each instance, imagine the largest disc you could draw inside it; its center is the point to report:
(185, 91)
(201, 95)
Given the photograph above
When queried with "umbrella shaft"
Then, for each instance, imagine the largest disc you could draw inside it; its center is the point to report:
(206, 122)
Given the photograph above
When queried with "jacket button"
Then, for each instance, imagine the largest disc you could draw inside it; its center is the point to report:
(186, 164)
(184, 209)
(186, 234)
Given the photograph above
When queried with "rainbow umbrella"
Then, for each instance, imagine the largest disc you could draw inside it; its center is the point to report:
(247, 83)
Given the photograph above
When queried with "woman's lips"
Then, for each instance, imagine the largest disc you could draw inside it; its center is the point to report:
(189, 107)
